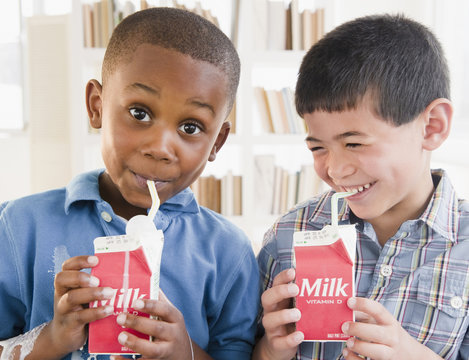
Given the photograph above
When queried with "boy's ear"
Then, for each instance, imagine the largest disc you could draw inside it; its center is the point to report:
(94, 103)
(437, 123)
(221, 138)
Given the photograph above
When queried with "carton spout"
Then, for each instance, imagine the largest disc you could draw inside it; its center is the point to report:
(142, 227)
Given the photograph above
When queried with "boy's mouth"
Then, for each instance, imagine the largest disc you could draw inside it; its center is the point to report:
(142, 181)
(359, 188)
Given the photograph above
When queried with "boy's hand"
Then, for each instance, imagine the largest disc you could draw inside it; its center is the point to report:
(280, 340)
(74, 290)
(171, 340)
(377, 335)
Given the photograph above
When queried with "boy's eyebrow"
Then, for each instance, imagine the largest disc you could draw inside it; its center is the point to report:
(338, 137)
(192, 101)
(196, 102)
(145, 88)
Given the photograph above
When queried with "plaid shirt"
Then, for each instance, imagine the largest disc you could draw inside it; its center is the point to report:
(425, 284)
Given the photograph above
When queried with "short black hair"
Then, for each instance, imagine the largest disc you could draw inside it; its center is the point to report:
(396, 61)
(174, 29)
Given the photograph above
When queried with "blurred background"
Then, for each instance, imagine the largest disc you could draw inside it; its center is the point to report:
(50, 48)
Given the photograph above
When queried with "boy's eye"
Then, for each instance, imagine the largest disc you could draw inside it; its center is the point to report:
(190, 128)
(353, 145)
(316, 148)
(139, 114)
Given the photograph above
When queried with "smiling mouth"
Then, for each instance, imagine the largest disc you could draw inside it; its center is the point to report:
(358, 189)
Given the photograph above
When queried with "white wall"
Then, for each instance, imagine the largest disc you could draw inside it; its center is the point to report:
(15, 164)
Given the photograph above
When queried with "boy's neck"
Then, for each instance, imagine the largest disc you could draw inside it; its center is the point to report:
(387, 225)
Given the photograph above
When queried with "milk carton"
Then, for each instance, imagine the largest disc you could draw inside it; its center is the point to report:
(130, 265)
(324, 263)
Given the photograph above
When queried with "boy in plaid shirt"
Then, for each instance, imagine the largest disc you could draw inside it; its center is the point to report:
(374, 94)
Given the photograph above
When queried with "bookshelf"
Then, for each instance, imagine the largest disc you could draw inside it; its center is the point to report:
(266, 65)
(235, 167)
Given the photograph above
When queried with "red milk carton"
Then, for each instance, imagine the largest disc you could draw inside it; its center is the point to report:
(325, 275)
(130, 265)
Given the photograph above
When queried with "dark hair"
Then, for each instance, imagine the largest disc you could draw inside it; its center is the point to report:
(178, 30)
(396, 61)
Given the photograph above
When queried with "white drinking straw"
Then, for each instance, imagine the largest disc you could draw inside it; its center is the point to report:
(155, 200)
(334, 212)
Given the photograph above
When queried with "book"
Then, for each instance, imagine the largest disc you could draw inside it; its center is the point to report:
(299, 123)
(296, 25)
(305, 182)
(235, 9)
(264, 174)
(106, 22)
(88, 36)
(97, 24)
(319, 24)
(263, 108)
(277, 190)
(291, 190)
(237, 195)
(227, 194)
(287, 125)
(284, 192)
(276, 34)
(288, 34)
(275, 112)
(309, 28)
(289, 112)
(223, 195)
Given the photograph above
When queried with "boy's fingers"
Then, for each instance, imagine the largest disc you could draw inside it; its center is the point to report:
(365, 318)
(80, 262)
(271, 298)
(372, 308)
(283, 343)
(350, 355)
(284, 277)
(367, 349)
(273, 320)
(72, 279)
(85, 316)
(148, 349)
(77, 297)
(161, 330)
(162, 309)
(367, 332)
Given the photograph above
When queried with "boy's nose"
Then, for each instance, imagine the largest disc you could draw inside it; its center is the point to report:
(159, 145)
(339, 166)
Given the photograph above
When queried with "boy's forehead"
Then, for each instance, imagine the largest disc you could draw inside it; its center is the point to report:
(147, 55)
(361, 120)
(156, 69)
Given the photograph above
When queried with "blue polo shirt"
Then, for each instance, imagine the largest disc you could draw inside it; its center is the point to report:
(208, 268)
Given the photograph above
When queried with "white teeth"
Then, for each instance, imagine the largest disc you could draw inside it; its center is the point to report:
(359, 189)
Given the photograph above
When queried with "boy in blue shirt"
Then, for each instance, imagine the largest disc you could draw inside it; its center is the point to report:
(374, 95)
(169, 81)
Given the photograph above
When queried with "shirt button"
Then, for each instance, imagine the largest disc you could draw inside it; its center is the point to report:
(386, 270)
(456, 302)
(106, 216)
